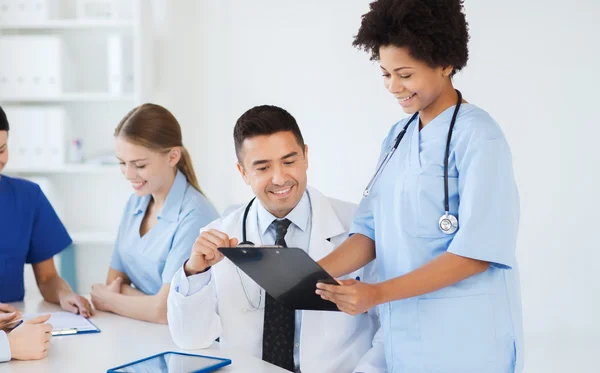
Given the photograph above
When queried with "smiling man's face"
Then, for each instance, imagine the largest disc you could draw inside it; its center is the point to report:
(275, 168)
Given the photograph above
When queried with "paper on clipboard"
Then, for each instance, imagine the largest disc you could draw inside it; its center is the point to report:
(64, 323)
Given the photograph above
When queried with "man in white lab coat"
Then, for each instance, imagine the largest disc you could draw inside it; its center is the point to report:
(210, 298)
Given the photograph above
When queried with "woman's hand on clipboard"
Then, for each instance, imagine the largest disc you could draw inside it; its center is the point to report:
(351, 296)
(9, 317)
(204, 252)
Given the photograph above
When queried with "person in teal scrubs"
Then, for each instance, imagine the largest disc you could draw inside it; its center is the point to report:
(441, 215)
(161, 220)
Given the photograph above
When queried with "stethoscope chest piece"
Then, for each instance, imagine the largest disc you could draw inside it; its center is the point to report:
(448, 223)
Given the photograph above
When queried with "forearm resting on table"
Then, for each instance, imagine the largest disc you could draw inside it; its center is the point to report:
(126, 287)
(441, 272)
(53, 288)
(354, 253)
(51, 285)
(152, 308)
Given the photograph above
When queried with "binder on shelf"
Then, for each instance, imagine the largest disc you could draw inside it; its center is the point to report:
(114, 64)
(54, 121)
(104, 9)
(95, 9)
(37, 136)
(27, 11)
(22, 73)
(8, 65)
(19, 149)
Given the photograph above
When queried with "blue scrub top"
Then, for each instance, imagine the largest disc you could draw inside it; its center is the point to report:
(474, 325)
(30, 232)
(152, 260)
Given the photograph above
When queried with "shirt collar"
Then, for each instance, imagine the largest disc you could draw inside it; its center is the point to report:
(172, 207)
(443, 119)
(299, 216)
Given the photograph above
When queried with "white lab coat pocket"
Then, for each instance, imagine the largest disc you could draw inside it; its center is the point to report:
(457, 334)
(334, 341)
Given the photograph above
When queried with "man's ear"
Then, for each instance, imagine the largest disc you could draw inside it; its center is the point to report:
(242, 172)
(306, 155)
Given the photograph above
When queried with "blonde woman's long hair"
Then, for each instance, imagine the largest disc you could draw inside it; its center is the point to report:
(154, 127)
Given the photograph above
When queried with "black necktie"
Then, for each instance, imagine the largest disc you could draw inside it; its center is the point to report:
(281, 227)
(280, 321)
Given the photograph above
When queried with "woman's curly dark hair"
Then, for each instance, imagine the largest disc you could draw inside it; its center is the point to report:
(434, 31)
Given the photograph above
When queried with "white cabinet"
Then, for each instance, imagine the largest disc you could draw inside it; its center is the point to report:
(69, 71)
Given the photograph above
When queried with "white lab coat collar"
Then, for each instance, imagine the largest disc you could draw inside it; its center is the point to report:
(299, 215)
(325, 225)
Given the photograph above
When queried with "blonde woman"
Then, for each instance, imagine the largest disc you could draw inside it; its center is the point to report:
(161, 219)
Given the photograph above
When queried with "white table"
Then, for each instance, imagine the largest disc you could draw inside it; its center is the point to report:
(121, 340)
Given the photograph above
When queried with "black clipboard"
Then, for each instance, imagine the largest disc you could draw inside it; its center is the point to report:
(288, 274)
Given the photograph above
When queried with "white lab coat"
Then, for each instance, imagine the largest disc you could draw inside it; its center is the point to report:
(329, 342)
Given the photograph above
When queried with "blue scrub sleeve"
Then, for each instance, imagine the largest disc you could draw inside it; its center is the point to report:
(49, 236)
(115, 261)
(363, 219)
(184, 239)
(489, 204)
(363, 222)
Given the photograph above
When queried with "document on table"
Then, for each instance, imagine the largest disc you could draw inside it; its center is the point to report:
(65, 323)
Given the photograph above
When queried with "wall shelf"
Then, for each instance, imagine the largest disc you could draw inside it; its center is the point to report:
(70, 97)
(67, 169)
(97, 238)
(69, 25)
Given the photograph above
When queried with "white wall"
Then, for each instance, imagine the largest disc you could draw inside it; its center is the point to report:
(190, 66)
(534, 66)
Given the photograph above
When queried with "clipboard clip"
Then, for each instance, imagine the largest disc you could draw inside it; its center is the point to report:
(64, 331)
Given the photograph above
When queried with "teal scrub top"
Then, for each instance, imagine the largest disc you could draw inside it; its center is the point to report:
(152, 260)
(474, 325)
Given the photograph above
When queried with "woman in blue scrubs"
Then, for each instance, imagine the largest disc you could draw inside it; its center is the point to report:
(448, 295)
(31, 232)
(161, 220)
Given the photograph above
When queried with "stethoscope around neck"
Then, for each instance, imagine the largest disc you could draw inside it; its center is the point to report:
(244, 219)
(448, 223)
(245, 242)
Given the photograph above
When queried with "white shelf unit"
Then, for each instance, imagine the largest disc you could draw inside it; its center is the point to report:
(83, 169)
(94, 238)
(88, 197)
(69, 25)
(70, 97)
